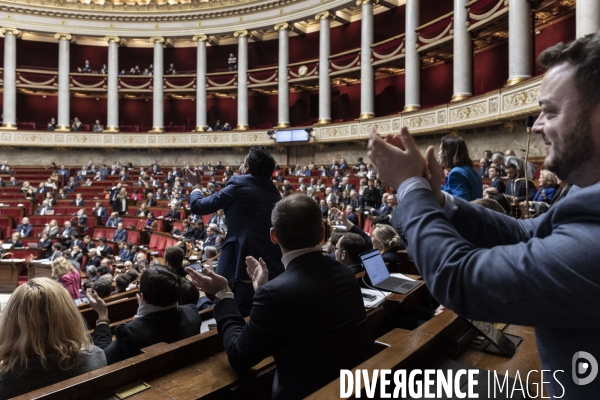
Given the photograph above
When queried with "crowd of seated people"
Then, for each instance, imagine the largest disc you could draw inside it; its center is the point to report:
(345, 195)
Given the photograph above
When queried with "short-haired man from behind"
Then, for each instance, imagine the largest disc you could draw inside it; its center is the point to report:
(174, 256)
(311, 318)
(348, 250)
(158, 319)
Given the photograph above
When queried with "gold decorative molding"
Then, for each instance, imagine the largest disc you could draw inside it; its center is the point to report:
(283, 26)
(323, 121)
(9, 127)
(12, 31)
(459, 97)
(201, 38)
(514, 81)
(362, 2)
(111, 129)
(157, 129)
(325, 15)
(62, 128)
(114, 39)
(157, 39)
(364, 116)
(242, 127)
(283, 125)
(64, 36)
(241, 33)
(411, 108)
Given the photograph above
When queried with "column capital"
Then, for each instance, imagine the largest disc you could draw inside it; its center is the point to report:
(12, 31)
(242, 33)
(64, 36)
(201, 38)
(157, 39)
(283, 26)
(363, 2)
(325, 15)
(114, 39)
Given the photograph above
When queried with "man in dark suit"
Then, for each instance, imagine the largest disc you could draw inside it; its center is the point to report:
(43, 208)
(100, 212)
(247, 200)
(350, 215)
(103, 249)
(56, 251)
(65, 233)
(311, 318)
(114, 192)
(113, 220)
(345, 185)
(93, 258)
(496, 181)
(517, 190)
(120, 234)
(25, 228)
(483, 170)
(78, 200)
(76, 254)
(540, 272)
(348, 250)
(158, 319)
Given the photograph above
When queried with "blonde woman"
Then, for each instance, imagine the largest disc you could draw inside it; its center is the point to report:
(66, 274)
(142, 210)
(122, 202)
(51, 229)
(385, 239)
(388, 242)
(44, 339)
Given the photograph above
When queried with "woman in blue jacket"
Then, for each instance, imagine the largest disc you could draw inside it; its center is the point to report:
(462, 181)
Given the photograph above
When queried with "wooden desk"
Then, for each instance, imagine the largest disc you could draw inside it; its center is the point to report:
(38, 270)
(9, 274)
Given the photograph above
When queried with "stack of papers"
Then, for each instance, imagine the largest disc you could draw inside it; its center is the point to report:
(380, 296)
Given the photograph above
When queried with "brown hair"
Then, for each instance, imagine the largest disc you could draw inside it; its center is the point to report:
(584, 55)
(454, 152)
(41, 320)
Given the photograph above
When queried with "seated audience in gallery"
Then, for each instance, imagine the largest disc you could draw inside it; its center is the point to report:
(171, 70)
(87, 67)
(76, 125)
(104, 69)
(57, 346)
(232, 62)
(98, 127)
(51, 125)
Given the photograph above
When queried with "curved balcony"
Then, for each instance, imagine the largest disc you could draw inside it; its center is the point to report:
(508, 103)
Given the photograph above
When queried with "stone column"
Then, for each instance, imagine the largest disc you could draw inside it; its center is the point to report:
(201, 124)
(324, 19)
(463, 53)
(283, 88)
(112, 99)
(9, 106)
(587, 17)
(158, 105)
(519, 41)
(63, 122)
(242, 79)
(412, 61)
(367, 75)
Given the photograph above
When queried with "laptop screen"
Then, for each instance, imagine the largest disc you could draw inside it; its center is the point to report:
(375, 267)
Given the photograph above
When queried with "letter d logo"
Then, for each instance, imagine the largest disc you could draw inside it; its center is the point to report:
(584, 367)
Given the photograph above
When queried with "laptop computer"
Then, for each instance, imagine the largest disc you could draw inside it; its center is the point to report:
(380, 276)
(33, 245)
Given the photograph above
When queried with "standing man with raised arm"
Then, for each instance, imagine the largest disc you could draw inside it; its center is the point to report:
(248, 200)
(540, 272)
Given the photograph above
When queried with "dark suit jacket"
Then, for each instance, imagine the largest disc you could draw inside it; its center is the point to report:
(78, 203)
(352, 218)
(42, 210)
(383, 209)
(163, 326)
(173, 214)
(47, 246)
(541, 272)
(520, 189)
(248, 202)
(26, 229)
(120, 236)
(498, 183)
(311, 319)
